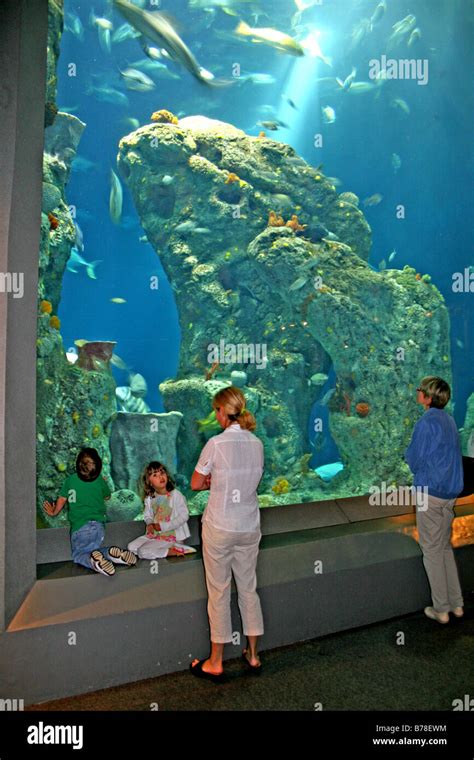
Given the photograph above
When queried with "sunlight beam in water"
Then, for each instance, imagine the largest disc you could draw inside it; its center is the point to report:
(299, 88)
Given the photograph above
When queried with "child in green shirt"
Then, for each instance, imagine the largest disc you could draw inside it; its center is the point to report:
(85, 492)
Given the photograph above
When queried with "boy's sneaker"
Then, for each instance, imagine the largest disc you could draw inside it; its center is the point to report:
(457, 611)
(441, 617)
(100, 564)
(122, 556)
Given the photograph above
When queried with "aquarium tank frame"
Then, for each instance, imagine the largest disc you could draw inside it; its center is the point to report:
(34, 621)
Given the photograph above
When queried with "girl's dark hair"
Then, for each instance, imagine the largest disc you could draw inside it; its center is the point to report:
(146, 488)
(88, 465)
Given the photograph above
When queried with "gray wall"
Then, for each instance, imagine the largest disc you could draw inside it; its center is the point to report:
(23, 35)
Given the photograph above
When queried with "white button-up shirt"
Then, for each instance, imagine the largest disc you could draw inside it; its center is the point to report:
(234, 458)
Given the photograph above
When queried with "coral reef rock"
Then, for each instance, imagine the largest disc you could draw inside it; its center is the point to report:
(467, 431)
(75, 407)
(124, 505)
(137, 439)
(296, 301)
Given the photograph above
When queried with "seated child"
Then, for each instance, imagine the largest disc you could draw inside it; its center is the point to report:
(166, 516)
(85, 492)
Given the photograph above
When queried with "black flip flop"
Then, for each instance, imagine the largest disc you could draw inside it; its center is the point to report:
(254, 669)
(197, 671)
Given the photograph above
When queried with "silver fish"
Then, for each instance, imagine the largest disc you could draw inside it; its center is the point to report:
(318, 379)
(359, 32)
(124, 32)
(299, 283)
(119, 363)
(378, 14)
(358, 88)
(406, 24)
(137, 80)
(260, 79)
(401, 104)
(102, 23)
(153, 53)
(329, 114)
(414, 36)
(105, 39)
(116, 198)
(76, 260)
(79, 238)
(187, 226)
(327, 397)
(400, 29)
(132, 122)
(157, 69)
(158, 29)
(347, 83)
(74, 25)
(108, 95)
(273, 125)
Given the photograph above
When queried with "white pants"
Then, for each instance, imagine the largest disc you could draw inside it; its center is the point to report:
(226, 552)
(151, 548)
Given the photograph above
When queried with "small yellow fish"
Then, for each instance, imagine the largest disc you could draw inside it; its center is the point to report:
(118, 300)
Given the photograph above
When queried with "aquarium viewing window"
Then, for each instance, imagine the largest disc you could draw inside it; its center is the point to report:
(253, 210)
(287, 215)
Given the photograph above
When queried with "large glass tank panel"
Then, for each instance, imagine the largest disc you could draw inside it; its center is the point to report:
(275, 195)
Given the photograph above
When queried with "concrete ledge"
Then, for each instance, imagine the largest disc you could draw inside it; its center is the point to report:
(53, 543)
(139, 625)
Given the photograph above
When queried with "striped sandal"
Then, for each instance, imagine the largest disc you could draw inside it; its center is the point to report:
(100, 564)
(122, 556)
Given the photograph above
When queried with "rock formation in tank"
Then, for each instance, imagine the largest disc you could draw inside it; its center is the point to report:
(263, 254)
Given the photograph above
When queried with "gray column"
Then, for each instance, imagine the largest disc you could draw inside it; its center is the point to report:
(23, 35)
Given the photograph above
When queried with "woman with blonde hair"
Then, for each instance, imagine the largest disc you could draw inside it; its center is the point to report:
(231, 465)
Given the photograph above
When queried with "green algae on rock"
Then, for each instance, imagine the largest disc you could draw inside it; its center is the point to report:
(338, 313)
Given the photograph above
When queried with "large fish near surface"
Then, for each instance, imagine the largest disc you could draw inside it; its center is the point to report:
(116, 198)
(156, 27)
(272, 37)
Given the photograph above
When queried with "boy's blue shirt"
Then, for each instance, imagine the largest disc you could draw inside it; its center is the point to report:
(434, 455)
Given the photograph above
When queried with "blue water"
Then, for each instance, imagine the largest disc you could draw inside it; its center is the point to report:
(434, 181)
